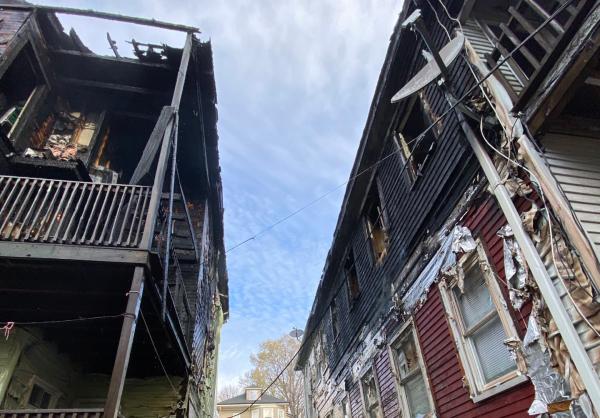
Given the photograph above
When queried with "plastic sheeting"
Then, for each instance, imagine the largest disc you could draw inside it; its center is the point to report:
(459, 240)
(514, 268)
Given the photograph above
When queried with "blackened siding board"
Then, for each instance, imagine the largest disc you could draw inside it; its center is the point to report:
(10, 22)
(413, 210)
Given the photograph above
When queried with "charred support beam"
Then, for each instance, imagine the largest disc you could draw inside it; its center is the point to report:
(76, 82)
(102, 15)
(117, 380)
(59, 252)
(99, 59)
(161, 167)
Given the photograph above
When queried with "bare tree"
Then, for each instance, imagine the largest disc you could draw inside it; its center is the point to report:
(229, 391)
(271, 359)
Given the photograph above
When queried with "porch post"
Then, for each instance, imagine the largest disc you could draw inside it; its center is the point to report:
(117, 379)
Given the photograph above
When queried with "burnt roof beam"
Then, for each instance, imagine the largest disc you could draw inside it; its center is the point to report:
(102, 15)
(77, 82)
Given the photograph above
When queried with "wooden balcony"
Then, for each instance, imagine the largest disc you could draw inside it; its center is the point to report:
(532, 62)
(72, 212)
(52, 413)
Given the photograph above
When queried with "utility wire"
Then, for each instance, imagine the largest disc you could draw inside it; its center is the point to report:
(308, 337)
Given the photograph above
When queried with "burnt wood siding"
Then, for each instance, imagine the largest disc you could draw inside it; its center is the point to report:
(387, 385)
(11, 22)
(412, 210)
(439, 350)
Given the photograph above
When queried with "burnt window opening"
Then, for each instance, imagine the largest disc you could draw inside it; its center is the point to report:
(376, 223)
(335, 319)
(415, 146)
(16, 87)
(352, 282)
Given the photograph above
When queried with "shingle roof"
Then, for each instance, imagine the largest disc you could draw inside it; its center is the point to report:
(241, 400)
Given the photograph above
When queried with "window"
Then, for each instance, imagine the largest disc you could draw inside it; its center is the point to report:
(346, 408)
(39, 398)
(267, 413)
(415, 151)
(351, 278)
(252, 394)
(335, 325)
(481, 324)
(42, 395)
(280, 413)
(255, 413)
(410, 374)
(376, 223)
(370, 396)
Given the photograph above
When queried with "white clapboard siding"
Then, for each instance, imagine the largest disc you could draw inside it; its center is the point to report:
(575, 163)
(483, 46)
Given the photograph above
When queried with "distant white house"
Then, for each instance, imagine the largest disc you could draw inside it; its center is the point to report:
(265, 406)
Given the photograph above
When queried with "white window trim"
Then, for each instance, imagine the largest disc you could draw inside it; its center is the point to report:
(55, 394)
(370, 369)
(480, 390)
(396, 339)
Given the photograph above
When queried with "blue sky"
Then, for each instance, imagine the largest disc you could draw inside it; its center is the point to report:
(294, 81)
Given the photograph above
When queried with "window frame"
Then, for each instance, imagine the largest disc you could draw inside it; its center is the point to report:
(413, 172)
(334, 311)
(375, 188)
(346, 406)
(54, 393)
(479, 389)
(352, 298)
(370, 369)
(408, 330)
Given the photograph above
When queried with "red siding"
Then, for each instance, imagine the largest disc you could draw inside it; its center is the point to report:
(356, 402)
(439, 351)
(387, 385)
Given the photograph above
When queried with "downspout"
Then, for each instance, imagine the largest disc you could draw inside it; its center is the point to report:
(536, 265)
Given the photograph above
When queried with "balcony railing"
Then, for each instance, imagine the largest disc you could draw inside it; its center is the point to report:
(52, 413)
(536, 57)
(72, 212)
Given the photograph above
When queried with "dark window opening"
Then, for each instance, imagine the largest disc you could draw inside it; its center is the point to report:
(415, 146)
(335, 325)
(16, 86)
(351, 278)
(39, 398)
(376, 224)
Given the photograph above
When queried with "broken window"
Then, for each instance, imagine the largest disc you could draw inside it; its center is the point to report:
(370, 395)
(376, 223)
(411, 375)
(351, 278)
(482, 324)
(42, 395)
(415, 146)
(335, 325)
(16, 88)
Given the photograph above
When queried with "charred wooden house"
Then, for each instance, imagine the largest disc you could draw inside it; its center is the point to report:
(113, 283)
(463, 276)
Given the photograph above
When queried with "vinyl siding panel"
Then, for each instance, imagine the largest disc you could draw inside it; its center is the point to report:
(575, 163)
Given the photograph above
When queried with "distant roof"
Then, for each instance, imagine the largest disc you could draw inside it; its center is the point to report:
(241, 400)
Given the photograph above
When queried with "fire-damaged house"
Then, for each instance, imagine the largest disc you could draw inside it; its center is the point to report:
(113, 283)
(463, 277)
